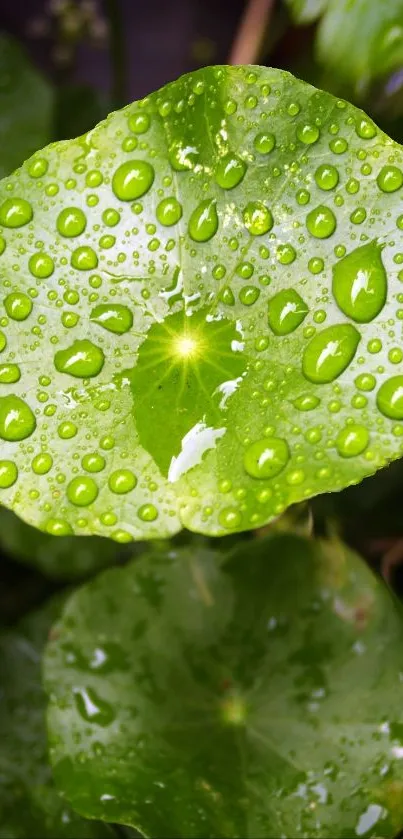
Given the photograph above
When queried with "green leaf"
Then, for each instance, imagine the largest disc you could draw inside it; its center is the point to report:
(26, 101)
(30, 807)
(202, 307)
(358, 39)
(66, 559)
(258, 697)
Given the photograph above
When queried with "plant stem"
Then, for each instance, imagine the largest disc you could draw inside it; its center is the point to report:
(117, 52)
(248, 39)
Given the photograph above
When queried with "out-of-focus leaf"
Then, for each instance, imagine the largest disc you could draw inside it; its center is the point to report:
(358, 39)
(30, 807)
(26, 101)
(258, 696)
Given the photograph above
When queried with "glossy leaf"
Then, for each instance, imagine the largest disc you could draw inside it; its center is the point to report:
(257, 697)
(26, 101)
(202, 307)
(358, 39)
(30, 807)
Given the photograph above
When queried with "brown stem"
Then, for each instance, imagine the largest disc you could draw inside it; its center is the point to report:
(248, 39)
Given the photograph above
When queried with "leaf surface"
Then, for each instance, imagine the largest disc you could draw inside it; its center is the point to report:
(255, 696)
(30, 807)
(202, 310)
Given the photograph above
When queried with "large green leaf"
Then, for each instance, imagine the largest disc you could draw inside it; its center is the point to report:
(257, 697)
(26, 101)
(30, 807)
(358, 39)
(202, 310)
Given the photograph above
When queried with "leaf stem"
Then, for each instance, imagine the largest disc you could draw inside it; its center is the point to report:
(248, 39)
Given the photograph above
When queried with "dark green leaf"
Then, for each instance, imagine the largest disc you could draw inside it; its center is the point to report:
(30, 807)
(25, 106)
(260, 696)
(202, 310)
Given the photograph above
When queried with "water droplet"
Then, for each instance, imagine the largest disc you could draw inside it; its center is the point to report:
(147, 512)
(17, 305)
(264, 143)
(9, 374)
(42, 463)
(257, 218)
(287, 310)
(230, 171)
(390, 178)
(82, 491)
(92, 708)
(365, 381)
(266, 458)
(308, 133)
(8, 473)
(15, 212)
(71, 222)
(330, 352)
(37, 167)
(182, 157)
(139, 123)
(41, 265)
(285, 254)
(365, 128)
(82, 360)
(132, 179)
(321, 222)
(66, 430)
(230, 518)
(169, 211)
(16, 419)
(326, 176)
(203, 223)
(84, 258)
(93, 462)
(58, 527)
(352, 440)
(113, 316)
(389, 398)
(360, 283)
(122, 481)
(306, 402)
(248, 295)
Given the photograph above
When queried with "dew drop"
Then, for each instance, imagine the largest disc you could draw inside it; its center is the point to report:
(15, 212)
(308, 133)
(113, 316)
(169, 211)
(306, 402)
(92, 708)
(93, 462)
(8, 473)
(326, 177)
(82, 491)
(365, 128)
(18, 305)
(389, 398)
(264, 143)
(257, 218)
(147, 512)
(266, 458)
(16, 419)
(390, 179)
(9, 374)
(58, 527)
(183, 157)
(230, 518)
(330, 352)
(71, 222)
(122, 481)
(42, 463)
(203, 223)
(287, 310)
(83, 360)
(352, 440)
(41, 265)
(321, 222)
(84, 258)
(248, 295)
(139, 123)
(132, 179)
(360, 283)
(230, 171)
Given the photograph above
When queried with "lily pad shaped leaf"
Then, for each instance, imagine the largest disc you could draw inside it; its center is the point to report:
(202, 310)
(30, 806)
(359, 39)
(257, 696)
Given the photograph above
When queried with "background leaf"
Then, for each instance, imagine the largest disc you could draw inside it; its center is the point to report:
(202, 311)
(30, 807)
(26, 101)
(259, 696)
(358, 39)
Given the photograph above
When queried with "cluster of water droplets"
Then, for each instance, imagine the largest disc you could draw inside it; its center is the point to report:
(281, 219)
